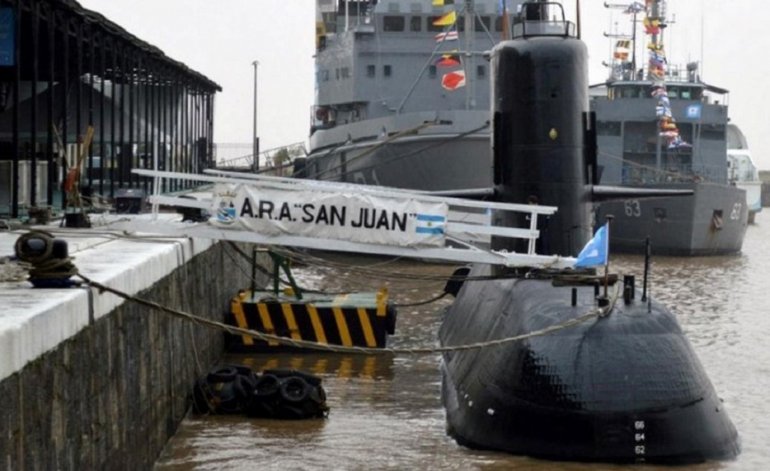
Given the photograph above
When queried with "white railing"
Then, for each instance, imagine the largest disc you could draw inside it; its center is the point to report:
(453, 249)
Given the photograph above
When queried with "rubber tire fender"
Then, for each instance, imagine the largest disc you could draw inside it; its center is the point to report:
(284, 373)
(294, 389)
(223, 374)
(267, 385)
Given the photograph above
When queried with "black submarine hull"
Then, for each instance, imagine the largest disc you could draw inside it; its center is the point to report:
(627, 387)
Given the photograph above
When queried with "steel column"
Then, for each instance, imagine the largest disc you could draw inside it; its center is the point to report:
(52, 174)
(122, 164)
(79, 92)
(131, 117)
(91, 122)
(113, 103)
(16, 114)
(33, 118)
(102, 92)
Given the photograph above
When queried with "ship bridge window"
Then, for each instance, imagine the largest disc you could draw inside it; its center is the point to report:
(608, 128)
(686, 94)
(393, 23)
(631, 92)
(481, 71)
(371, 70)
(387, 70)
(415, 23)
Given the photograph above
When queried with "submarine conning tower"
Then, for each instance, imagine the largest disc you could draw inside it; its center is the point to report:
(542, 73)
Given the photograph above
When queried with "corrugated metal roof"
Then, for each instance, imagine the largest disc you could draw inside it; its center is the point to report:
(114, 29)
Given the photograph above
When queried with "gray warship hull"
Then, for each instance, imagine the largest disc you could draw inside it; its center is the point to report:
(402, 93)
(417, 151)
(712, 221)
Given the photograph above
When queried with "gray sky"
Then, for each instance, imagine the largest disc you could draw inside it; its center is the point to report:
(221, 39)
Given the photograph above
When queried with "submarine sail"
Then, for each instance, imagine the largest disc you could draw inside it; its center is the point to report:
(625, 387)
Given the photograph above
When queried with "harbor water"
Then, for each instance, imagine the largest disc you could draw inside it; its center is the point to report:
(386, 411)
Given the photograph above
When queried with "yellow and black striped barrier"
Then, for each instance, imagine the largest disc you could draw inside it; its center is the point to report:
(354, 319)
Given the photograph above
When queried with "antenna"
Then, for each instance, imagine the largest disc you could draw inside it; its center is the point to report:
(577, 10)
(634, 9)
(702, 39)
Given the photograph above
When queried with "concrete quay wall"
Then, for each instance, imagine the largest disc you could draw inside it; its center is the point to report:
(112, 394)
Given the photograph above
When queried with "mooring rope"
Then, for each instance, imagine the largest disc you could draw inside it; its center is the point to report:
(47, 266)
(307, 344)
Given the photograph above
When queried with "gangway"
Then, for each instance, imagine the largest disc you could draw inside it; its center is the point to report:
(343, 217)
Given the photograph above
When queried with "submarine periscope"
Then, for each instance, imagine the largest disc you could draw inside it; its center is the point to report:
(622, 387)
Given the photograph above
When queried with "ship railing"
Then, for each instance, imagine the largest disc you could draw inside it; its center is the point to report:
(241, 156)
(544, 28)
(634, 173)
(542, 19)
(431, 234)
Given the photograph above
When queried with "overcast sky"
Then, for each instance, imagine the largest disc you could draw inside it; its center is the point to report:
(221, 38)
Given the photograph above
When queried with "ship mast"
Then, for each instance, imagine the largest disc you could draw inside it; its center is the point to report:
(657, 38)
(470, 85)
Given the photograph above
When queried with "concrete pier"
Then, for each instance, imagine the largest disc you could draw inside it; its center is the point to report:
(91, 382)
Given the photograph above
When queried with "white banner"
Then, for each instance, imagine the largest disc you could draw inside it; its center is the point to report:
(339, 216)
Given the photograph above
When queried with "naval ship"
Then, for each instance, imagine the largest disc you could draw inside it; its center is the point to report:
(661, 126)
(741, 170)
(402, 93)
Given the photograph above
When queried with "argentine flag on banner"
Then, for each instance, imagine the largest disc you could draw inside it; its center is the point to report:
(596, 250)
(430, 224)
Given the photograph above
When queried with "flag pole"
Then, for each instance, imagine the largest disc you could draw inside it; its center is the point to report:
(610, 217)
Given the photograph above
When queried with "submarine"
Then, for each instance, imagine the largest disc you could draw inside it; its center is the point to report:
(625, 387)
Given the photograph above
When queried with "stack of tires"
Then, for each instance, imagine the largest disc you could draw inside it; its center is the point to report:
(276, 393)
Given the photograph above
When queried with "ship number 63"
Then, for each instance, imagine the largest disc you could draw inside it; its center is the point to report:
(633, 208)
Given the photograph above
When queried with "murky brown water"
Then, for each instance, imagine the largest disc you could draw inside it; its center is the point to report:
(386, 411)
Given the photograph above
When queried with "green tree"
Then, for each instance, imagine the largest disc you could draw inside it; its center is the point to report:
(282, 157)
(285, 155)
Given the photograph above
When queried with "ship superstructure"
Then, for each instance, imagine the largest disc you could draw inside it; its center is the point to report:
(402, 92)
(661, 126)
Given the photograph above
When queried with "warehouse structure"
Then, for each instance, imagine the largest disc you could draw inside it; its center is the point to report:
(65, 69)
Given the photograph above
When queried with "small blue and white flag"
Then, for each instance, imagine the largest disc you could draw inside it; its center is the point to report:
(693, 112)
(430, 224)
(596, 251)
